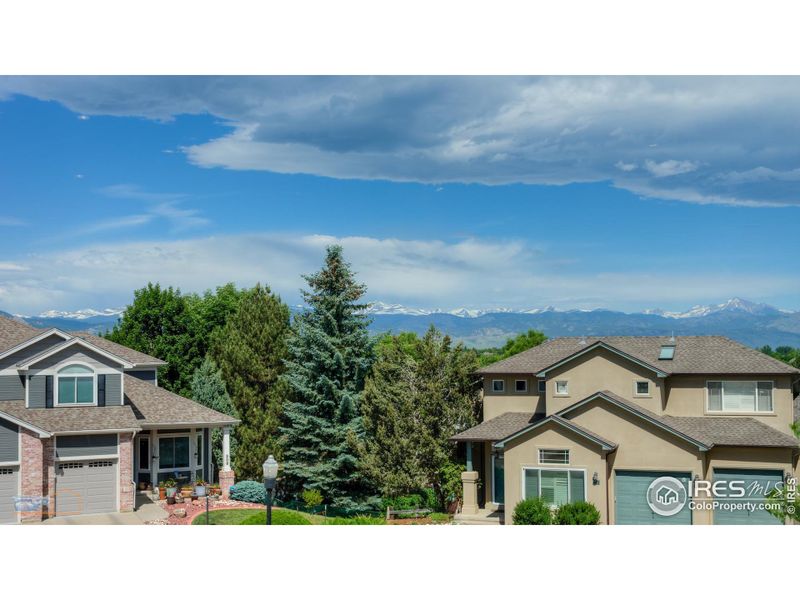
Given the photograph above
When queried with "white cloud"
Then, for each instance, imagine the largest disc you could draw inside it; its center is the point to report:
(11, 222)
(9, 266)
(427, 273)
(668, 168)
(551, 130)
(166, 205)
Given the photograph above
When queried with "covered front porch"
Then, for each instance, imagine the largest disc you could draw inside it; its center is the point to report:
(182, 454)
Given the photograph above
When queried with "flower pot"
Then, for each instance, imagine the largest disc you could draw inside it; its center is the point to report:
(170, 500)
(162, 494)
(171, 492)
(199, 491)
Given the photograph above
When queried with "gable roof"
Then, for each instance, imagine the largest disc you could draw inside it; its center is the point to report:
(693, 355)
(601, 344)
(498, 428)
(636, 410)
(561, 422)
(154, 406)
(75, 341)
(15, 335)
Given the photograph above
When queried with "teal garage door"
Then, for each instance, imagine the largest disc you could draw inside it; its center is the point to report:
(756, 484)
(631, 507)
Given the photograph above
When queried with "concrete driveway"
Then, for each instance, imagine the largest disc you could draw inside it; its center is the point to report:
(146, 510)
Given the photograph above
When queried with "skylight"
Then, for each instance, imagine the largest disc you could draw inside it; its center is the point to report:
(667, 352)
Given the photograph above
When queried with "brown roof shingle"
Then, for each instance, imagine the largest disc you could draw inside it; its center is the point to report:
(498, 428)
(13, 333)
(132, 356)
(155, 406)
(693, 355)
(73, 418)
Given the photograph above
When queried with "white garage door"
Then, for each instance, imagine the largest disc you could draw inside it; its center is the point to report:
(86, 487)
(9, 487)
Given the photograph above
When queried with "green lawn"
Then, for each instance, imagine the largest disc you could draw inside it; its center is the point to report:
(280, 516)
(251, 516)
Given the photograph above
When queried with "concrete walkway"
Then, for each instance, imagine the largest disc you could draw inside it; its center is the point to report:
(146, 510)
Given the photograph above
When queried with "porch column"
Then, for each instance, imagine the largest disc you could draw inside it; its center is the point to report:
(154, 461)
(469, 480)
(192, 455)
(226, 475)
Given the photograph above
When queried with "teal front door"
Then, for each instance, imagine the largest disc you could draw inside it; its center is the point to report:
(756, 483)
(631, 506)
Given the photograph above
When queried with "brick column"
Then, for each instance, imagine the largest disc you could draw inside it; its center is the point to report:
(469, 479)
(49, 478)
(126, 485)
(226, 480)
(32, 471)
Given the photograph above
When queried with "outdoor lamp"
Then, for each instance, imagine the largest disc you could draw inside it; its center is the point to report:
(270, 476)
(595, 479)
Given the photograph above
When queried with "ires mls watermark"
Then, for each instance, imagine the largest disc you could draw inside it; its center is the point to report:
(667, 496)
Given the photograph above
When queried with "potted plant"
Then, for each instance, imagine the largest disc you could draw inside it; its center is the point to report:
(214, 490)
(186, 491)
(200, 488)
(171, 488)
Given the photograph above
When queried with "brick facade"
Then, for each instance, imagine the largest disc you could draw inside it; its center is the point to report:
(126, 484)
(226, 480)
(35, 467)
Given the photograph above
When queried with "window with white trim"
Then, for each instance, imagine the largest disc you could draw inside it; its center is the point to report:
(642, 388)
(739, 396)
(498, 385)
(75, 386)
(521, 385)
(562, 388)
(553, 457)
(554, 486)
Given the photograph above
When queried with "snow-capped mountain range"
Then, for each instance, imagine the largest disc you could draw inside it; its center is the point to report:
(751, 323)
(732, 305)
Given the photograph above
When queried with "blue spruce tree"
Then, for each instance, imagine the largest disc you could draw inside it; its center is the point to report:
(330, 354)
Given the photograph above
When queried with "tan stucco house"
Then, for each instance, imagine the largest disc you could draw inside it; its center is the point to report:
(602, 418)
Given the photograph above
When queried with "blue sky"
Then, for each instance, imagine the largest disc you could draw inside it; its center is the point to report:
(625, 193)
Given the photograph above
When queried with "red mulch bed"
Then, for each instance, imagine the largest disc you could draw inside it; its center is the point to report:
(196, 507)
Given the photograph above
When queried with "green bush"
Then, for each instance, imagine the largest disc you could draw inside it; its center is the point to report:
(360, 520)
(408, 502)
(312, 498)
(533, 511)
(279, 517)
(249, 491)
(438, 517)
(577, 513)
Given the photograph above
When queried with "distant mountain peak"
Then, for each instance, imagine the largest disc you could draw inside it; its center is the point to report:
(84, 313)
(733, 305)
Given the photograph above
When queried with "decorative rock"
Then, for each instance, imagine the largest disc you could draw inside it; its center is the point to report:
(180, 513)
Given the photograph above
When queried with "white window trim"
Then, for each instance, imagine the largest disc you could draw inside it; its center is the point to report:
(647, 394)
(555, 387)
(494, 487)
(188, 435)
(525, 391)
(569, 483)
(540, 450)
(58, 376)
(542, 386)
(502, 387)
(722, 411)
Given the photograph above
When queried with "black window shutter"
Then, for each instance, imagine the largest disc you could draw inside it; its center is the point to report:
(101, 390)
(48, 391)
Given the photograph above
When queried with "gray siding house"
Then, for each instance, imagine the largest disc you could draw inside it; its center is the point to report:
(83, 425)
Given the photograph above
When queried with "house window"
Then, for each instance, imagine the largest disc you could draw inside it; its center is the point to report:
(739, 396)
(498, 385)
(542, 386)
(667, 353)
(642, 388)
(555, 486)
(521, 385)
(75, 386)
(562, 389)
(199, 449)
(553, 457)
(173, 453)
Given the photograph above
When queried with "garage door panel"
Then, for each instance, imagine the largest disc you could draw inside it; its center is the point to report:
(86, 487)
(9, 488)
(631, 507)
(756, 482)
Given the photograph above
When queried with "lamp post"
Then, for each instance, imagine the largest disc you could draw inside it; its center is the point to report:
(270, 476)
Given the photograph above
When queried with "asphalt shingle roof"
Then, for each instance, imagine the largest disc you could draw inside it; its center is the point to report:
(693, 355)
(732, 431)
(72, 418)
(154, 405)
(13, 333)
(498, 428)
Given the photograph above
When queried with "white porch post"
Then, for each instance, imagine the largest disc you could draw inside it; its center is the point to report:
(192, 455)
(226, 448)
(154, 461)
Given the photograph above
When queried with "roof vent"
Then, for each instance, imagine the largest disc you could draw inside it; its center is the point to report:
(667, 352)
(582, 341)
